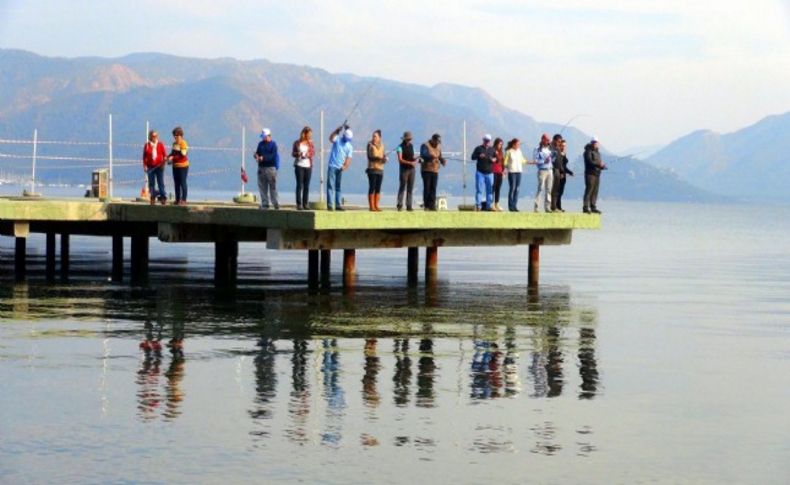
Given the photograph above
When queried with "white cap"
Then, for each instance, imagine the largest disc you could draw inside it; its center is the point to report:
(266, 132)
(348, 134)
(594, 139)
(487, 137)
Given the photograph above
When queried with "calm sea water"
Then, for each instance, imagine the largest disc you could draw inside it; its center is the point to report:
(657, 349)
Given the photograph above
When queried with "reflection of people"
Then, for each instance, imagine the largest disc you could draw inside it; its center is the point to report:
(486, 371)
(588, 367)
(546, 367)
(299, 405)
(154, 158)
(148, 395)
(333, 393)
(173, 391)
(510, 365)
(426, 367)
(178, 157)
(402, 377)
(265, 380)
(370, 394)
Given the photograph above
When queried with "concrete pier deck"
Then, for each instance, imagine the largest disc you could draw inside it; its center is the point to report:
(226, 224)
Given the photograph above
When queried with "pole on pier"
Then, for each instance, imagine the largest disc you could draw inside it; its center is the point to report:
(349, 266)
(33, 174)
(312, 268)
(326, 261)
(109, 155)
(413, 266)
(431, 262)
(64, 255)
(464, 157)
(20, 255)
(321, 173)
(117, 257)
(243, 155)
(533, 271)
(50, 256)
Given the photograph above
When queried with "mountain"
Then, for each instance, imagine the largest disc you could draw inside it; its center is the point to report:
(70, 99)
(753, 162)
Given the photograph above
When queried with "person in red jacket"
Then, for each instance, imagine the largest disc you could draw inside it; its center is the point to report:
(154, 159)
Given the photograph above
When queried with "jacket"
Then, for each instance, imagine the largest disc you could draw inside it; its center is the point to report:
(267, 154)
(592, 160)
(543, 157)
(179, 154)
(483, 155)
(376, 157)
(297, 154)
(431, 157)
(154, 157)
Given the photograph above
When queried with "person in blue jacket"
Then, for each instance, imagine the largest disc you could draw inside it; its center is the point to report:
(268, 159)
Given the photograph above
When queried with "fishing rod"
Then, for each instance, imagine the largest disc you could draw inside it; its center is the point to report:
(570, 121)
(359, 100)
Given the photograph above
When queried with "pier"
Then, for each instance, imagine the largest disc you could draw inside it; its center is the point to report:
(317, 233)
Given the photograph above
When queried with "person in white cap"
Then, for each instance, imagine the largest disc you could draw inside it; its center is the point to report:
(593, 165)
(268, 159)
(339, 160)
(485, 156)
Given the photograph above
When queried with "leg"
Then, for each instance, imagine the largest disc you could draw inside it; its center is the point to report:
(594, 192)
(515, 192)
(330, 187)
(434, 182)
(177, 184)
(410, 187)
(151, 174)
(588, 181)
(511, 187)
(307, 173)
(560, 192)
(338, 191)
(425, 185)
(547, 187)
(402, 176)
(479, 181)
(377, 191)
(555, 188)
(489, 181)
(497, 187)
(298, 176)
(160, 181)
(537, 191)
(184, 184)
(263, 187)
(272, 175)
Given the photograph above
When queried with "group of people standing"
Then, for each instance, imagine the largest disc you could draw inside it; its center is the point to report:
(155, 157)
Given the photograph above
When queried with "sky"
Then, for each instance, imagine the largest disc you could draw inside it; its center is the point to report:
(634, 73)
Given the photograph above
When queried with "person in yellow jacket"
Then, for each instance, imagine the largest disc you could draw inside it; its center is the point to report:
(178, 158)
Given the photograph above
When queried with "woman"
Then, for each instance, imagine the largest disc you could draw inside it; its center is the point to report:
(178, 157)
(497, 168)
(514, 164)
(375, 171)
(154, 158)
(303, 152)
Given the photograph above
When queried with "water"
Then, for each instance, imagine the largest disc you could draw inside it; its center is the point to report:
(657, 349)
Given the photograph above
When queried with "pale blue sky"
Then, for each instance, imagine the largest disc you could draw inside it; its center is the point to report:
(643, 72)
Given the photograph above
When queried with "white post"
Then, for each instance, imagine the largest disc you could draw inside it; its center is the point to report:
(145, 175)
(464, 157)
(243, 153)
(109, 153)
(33, 176)
(321, 185)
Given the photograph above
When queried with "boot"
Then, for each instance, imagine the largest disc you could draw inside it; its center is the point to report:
(371, 204)
(376, 201)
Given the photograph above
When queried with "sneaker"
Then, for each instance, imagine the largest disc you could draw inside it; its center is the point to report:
(549, 210)
(595, 211)
(298, 207)
(409, 209)
(329, 208)
(339, 208)
(400, 208)
(586, 210)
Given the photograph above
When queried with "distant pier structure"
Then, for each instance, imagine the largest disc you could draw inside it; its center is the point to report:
(316, 232)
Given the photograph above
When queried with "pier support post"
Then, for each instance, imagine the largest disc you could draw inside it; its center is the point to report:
(20, 255)
(312, 268)
(50, 256)
(349, 266)
(413, 266)
(226, 256)
(326, 260)
(533, 271)
(65, 243)
(117, 258)
(139, 258)
(431, 261)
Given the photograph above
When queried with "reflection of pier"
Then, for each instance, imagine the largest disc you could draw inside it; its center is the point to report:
(317, 232)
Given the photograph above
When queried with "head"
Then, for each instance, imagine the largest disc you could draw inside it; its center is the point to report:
(486, 139)
(544, 140)
(178, 132)
(514, 143)
(557, 140)
(498, 143)
(153, 136)
(266, 134)
(594, 142)
(306, 134)
(435, 140)
(406, 136)
(376, 137)
(563, 144)
(348, 135)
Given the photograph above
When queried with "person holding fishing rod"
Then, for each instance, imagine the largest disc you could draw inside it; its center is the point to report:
(431, 157)
(407, 162)
(339, 160)
(593, 165)
(376, 160)
(485, 156)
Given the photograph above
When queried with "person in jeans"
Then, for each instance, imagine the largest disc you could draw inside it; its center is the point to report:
(544, 161)
(514, 164)
(178, 158)
(431, 155)
(497, 168)
(154, 160)
(408, 163)
(339, 160)
(485, 156)
(561, 171)
(376, 159)
(593, 165)
(303, 152)
(268, 159)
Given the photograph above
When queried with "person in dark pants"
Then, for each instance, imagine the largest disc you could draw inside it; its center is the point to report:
(593, 165)
(268, 158)
(303, 152)
(485, 156)
(561, 170)
(178, 157)
(376, 160)
(514, 164)
(407, 162)
(497, 168)
(431, 155)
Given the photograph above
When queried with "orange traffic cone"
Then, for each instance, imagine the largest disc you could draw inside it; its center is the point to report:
(144, 194)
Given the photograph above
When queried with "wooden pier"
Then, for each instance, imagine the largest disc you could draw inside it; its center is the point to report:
(317, 232)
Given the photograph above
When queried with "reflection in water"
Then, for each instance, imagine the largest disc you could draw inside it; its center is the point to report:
(486, 373)
(402, 377)
(175, 373)
(547, 361)
(426, 368)
(370, 394)
(265, 387)
(149, 394)
(588, 367)
(299, 404)
(333, 393)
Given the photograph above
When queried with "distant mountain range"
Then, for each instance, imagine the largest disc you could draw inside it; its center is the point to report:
(69, 99)
(751, 163)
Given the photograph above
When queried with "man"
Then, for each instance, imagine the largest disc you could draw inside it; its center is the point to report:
(485, 156)
(339, 160)
(431, 155)
(544, 160)
(408, 163)
(592, 176)
(559, 172)
(268, 159)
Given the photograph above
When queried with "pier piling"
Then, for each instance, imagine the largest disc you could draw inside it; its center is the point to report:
(533, 271)
(349, 266)
(431, 262)
(413, 266)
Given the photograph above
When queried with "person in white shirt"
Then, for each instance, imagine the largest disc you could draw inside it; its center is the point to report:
(514, 164)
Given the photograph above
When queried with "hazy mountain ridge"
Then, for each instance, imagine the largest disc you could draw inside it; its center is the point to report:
(69, 99)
